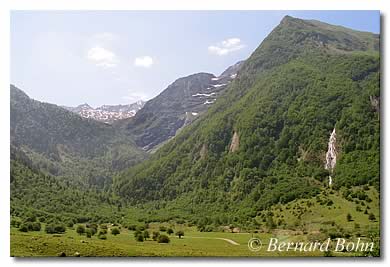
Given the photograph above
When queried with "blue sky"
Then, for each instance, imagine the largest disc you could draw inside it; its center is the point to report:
(118, 57)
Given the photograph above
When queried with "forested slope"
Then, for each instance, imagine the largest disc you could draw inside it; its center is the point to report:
(265, 139)
(64, 144)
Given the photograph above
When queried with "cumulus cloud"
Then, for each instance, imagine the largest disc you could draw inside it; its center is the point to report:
(102, 57)
(145, 62)
(226, 46)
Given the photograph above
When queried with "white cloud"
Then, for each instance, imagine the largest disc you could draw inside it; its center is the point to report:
(145, 62)
(226, 46)
(102, 57)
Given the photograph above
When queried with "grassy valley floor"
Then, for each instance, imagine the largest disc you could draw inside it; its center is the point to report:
(193, 244)
(306, 220)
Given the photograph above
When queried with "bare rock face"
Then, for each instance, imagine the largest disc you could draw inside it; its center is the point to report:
(234, 146)
(375, 100)
(181, 103)
(331, 154)
(203, 151)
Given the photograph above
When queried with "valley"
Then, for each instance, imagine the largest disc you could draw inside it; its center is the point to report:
(285, 144)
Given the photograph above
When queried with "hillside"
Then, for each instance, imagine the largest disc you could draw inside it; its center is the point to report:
(64, 144)
(177, 106)
(42, 196)
(265, 139)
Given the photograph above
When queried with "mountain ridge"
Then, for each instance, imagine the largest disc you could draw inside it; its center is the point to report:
(302, 82)
(107, 113)
(182, 102)
(72, 146)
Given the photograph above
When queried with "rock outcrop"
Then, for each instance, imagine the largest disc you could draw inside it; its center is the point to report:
(235, 144)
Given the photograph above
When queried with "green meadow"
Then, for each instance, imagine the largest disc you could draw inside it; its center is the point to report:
(297, 221)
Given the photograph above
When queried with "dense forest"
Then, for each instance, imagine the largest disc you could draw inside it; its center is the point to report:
(82, 151)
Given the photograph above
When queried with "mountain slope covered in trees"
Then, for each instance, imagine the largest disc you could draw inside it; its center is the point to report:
(48, 199)
(265, 139)
(64, 144)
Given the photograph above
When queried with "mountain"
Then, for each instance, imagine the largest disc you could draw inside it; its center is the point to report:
(107, 113)
(37, 194)
(265, 140)
(178, 105)
(64, 144)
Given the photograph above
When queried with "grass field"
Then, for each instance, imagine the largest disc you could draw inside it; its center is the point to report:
(193, 244)
(303, 220)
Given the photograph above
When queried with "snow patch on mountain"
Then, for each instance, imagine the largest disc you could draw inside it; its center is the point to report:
(219, 85)
(201, 94)
(209, 101)
(107, 113)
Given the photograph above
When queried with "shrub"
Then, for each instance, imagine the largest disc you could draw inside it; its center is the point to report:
(36, 226)
(208, 228)
(349, 217)
(137, 233)
(23, 228)
(155, 235)
(59, 228)
(180, 233)
(163, 229)
(29, 225)
(15, 223)
(334, 234)
(115, 231)
(146, 234)
(55, 228)
(92, 230)
(139, 238)
(132, 227)
(102, 232)
(88, 233)
(170, 231)
(140, 228)
(371, 217)
(30, 217)
(163, 239)
(92, 226)
(103, 237)
(80, 229)
(82, 219)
